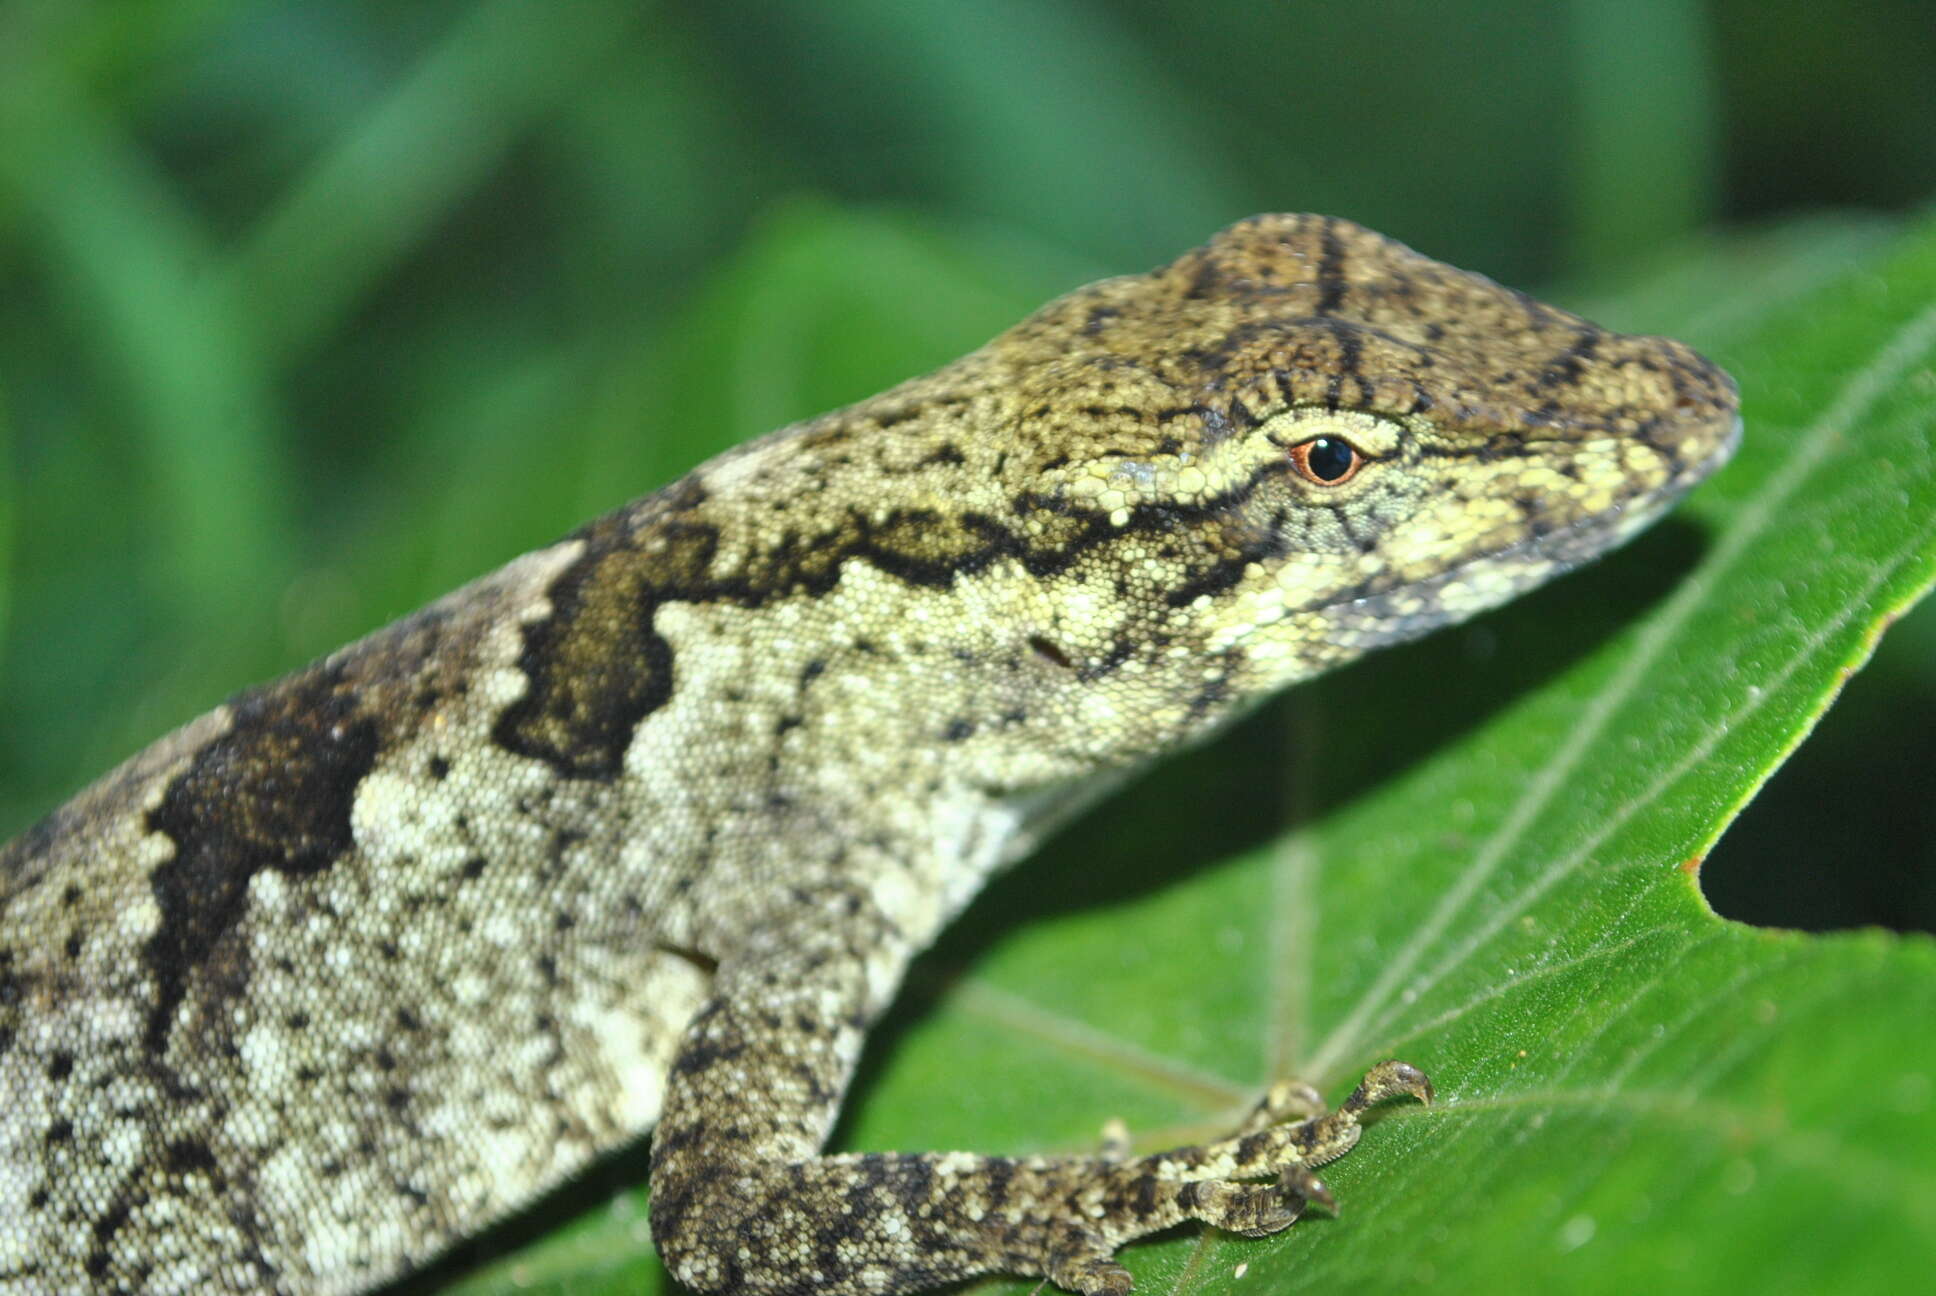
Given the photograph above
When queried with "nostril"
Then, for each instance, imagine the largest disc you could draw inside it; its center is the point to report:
(1048, 650)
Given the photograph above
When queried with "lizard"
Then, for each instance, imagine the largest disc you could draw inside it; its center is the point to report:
(639, 832)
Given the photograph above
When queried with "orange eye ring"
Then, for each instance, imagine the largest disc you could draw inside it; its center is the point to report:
(1326, 461)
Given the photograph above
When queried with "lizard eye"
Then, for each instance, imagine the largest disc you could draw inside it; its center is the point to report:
(1326, 461)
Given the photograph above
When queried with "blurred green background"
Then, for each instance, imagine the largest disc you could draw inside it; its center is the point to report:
(310, 312)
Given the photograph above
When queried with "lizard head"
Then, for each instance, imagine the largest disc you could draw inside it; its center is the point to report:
(1303, 441)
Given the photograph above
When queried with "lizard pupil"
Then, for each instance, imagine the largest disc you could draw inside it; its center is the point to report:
(1326, 460)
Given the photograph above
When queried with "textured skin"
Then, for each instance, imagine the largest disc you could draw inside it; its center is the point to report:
(643, 828)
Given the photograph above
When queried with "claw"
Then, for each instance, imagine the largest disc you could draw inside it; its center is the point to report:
(1389, 1080)
(1307, 1187)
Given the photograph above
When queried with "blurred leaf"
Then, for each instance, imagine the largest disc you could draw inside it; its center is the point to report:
(1718, 287)
(1644, 164)
(1457, 128)
(1039, 113)
(391, 176)
(1500, 888)
(6, 521)
(128, 261)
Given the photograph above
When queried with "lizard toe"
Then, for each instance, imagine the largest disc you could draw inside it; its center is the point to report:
(1284, 1100)
(1389, 1080)
(1306, 1187)
(1246, 1209)
(1091, 1272)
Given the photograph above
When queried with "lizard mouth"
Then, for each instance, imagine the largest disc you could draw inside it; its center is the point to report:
(1588, 538)
(1486, 580)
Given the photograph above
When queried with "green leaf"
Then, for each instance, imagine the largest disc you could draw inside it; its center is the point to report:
(1491, 872)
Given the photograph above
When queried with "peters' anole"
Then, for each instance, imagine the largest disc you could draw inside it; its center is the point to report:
(642, 829)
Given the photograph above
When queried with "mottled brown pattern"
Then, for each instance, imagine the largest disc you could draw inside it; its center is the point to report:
(1301, 310)
(643, 829)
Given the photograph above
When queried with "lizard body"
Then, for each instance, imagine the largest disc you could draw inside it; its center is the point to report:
(641, 830)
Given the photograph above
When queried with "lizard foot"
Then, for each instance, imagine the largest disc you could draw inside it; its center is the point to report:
(1086, 1264)
(864, 1217)
(1266, 1145)
(1216, 1182)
